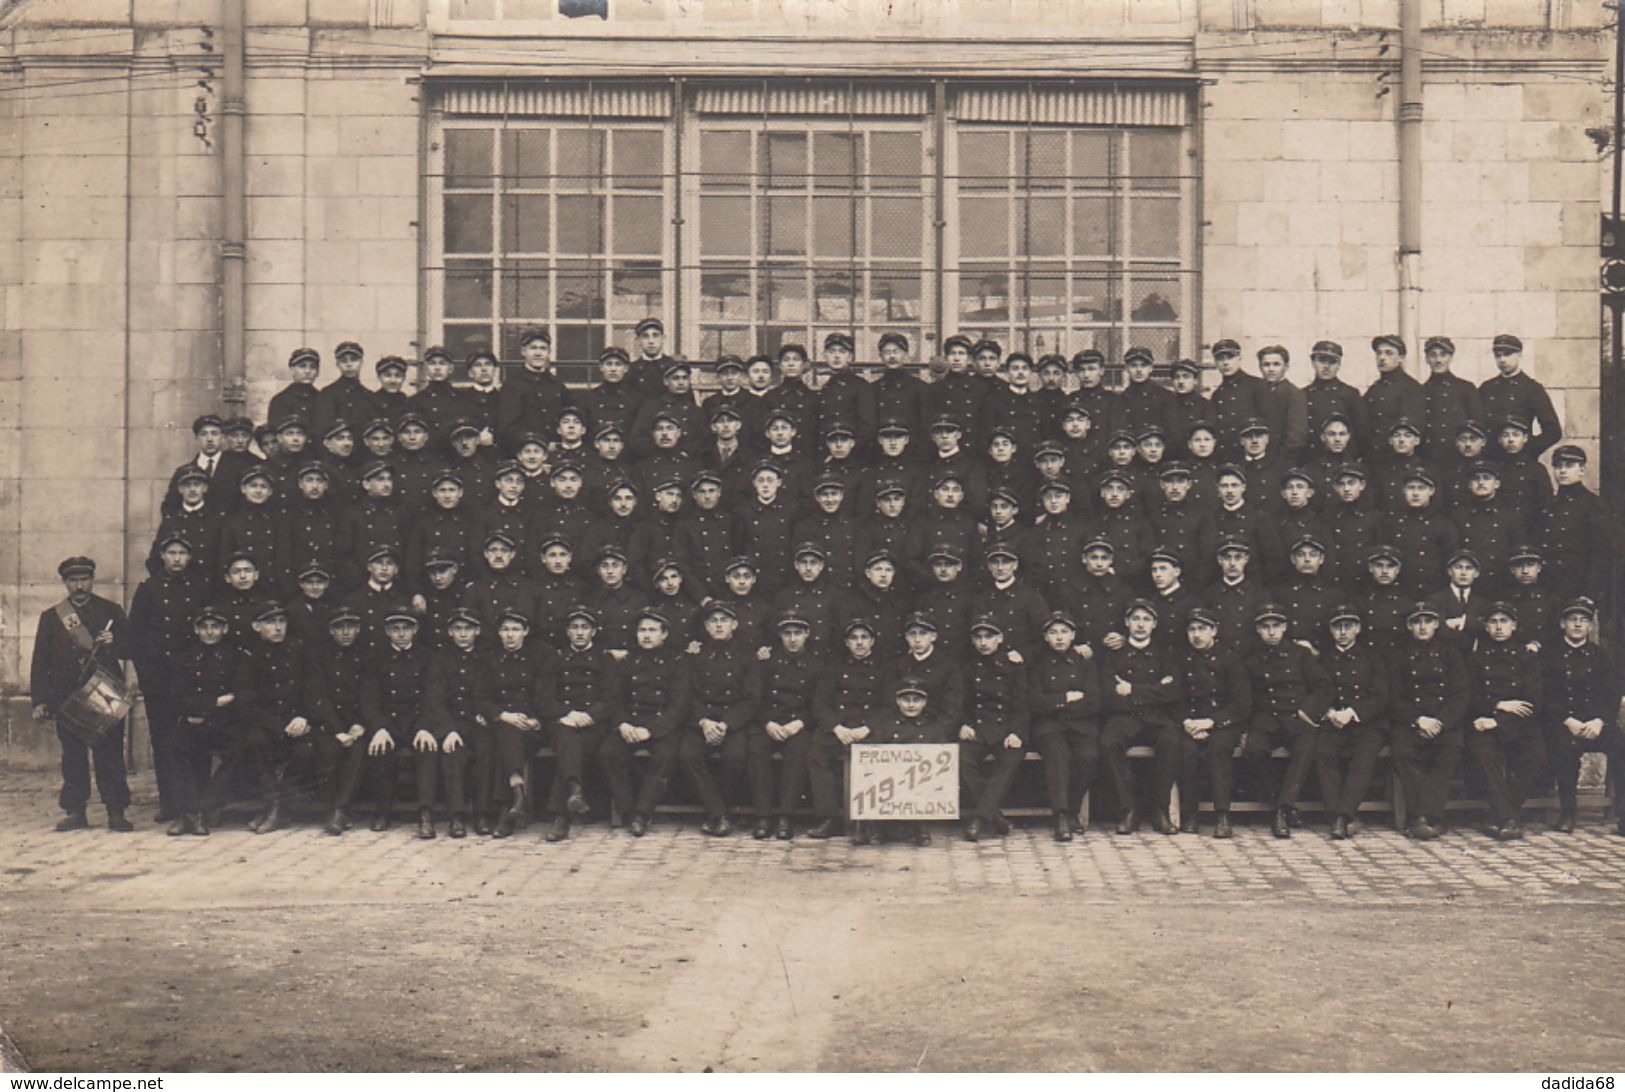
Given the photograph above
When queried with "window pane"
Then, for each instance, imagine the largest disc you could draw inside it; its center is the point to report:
(637, 225)
(895, 161)
(984, 229)
(984, 161)
(1153, 298)
(1043, 291)
(1092, 156)
(460, 339)
(581, 291)
(581, 225)
(1164, 344)
(579, 342)
(724, 158)
(785, 225)
(1155, 227)
(525, 293)
(984, 295)
(468, 290)
(1090, 297)
(1154, 161)
(725, 293)
(581, 158)
(1045, 339)
(898, 226)
(832, 296)
(781, 295)
(638, 158)
(524, 224)
(715, 342)
(468, 224)
(1046, 160)
(769, 338)
(1092, 226)
(894, 296)
(636, 291)
(832, 227)
(725, 225)
(468, 159)
(525, 159)
(1046, 226)
(833, 161)
(784, 160)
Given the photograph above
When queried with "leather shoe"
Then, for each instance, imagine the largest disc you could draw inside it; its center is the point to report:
(1509, 831)
(516, 814)
(382, 820)
(863, 834)
(270, 820)
(638, 824)
(1340, 828)
(576, 803)
(74, 820)
(117, 822)
(200, 823)
(425, 824)
(457, 828)
(336, 823)
(182, 825)
(922, 837)
(560, 830)
(973, 829)
(504, 826)
(1280, 825)
(482, 823)
(717, 827)
(1293, 819)
(1190, 824)
(1162, 824)
(1074, 822)
(762, 831)
(1565, 823)
(1129, 823)
(828, 828)
(1423, 831)
(1063, 829)
(784, 830)
(1222, 830)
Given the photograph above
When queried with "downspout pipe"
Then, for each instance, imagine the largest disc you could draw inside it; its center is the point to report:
(234, 229)
(1410, 180)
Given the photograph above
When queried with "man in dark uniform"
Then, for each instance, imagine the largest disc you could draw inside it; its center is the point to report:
(576, 696)
(161, 629)
(1451, 400)
(616, 399)
(1142, 691)
(959, 393)
(278, 718)
(336, 667)
(531, 397)
(222, 469)
(1063, 690)
(1217, 707)
(649, 371)
(849, 694)
(197, 518)
(899, 394)
(346, 398)
(1505, 738)
(1581, 710)
(437, 400)
(1395, 394)
(1235, 597)
(1145, 402)
(82, 631)
(511, 696)
(450, 715)
(1356, 724)
(1513, 393)
(298, 398)
(392, 707)
(790, 677)
(653, 684)
(1237, 399)
(1291, 693)
(213, 687)
(1284, 404)
(1104, 406)
(1574, 531)
(909, 721)
(995, 725)
(726, 692)
(847, 396)
(1328, 395)
(1431, 692)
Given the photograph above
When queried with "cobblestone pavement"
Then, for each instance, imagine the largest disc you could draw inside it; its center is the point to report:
(1379, 867)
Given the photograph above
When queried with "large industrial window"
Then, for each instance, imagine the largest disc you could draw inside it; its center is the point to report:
(755, 215)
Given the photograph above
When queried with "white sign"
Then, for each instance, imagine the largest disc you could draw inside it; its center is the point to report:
(903, 781)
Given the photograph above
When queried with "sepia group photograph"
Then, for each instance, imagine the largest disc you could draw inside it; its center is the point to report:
(895, 538)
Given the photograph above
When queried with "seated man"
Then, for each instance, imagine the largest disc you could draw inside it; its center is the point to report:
(280, 710)
(1506, 740)
(849, 694)
(212, 689)
(912, 722)
(1356, 725)
(1431, 689)
(996, 722)
(790, 678)
(449, 714)
(1217, 707)
(1064, 690)
(654, 694)
(725, 687)
(1581, 711)
(334, 671)
(578, 694)
(1142, 691)
(392, 708)
(510, 695)
(1291, 693)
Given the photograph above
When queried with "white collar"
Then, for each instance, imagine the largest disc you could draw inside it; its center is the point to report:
(1132, 643)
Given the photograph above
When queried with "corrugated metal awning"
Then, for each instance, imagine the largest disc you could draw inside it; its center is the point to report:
(557, 98)
(1101, 104)
(813, 97)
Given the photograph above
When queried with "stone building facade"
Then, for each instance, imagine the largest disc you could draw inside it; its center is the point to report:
(1100, 172)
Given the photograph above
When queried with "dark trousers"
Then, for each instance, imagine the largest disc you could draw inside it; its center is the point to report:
(1151, 728)
(1427, 766)
(825, 754)
(615, 756)
(573, 749)
(107, 757)
(1512, 758)
(695, 756)
(985, 792)
(483, 757)
(162, 726)
(1219, 752)
(338, 768)
(429, 768)
(1565, 750)
(1359, 744)
(1071, 752)
(241, 746)
(1271, 730)
(515, 748)
(792, 776)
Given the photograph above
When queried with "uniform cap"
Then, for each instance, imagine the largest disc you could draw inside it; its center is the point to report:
(1098, 543)
(413, 417)
(1525, 553)
(987, 345)
(1297, 473)
(238, 555)
(343, 616)
(499, 537)
(859, 623)
(1055, 485)
(1329, 350)
(1383, 553)
(1232, 468)
(1421, 610)
(1226, 347)
(1404, 424)
(1420, 474)
(401, 614)
(1138, 355)
(792, 618)
(377, 424)
(1500, 606)
(191, 474)
(236, 424)
(813, 549)
(1151, 432)
(1203, 616)
(1088, 356)
(513, 614)
(382, 552)
(304, 356)
(740, 562)
(1185, 364)
(464, 615)
(721, 607)
(1006, 495)
(614, 352)
(894, 338)
(1471, 428)
(725, 409)
(583, 613)
(448, 476)
(887, 486)
(1254, 424)
(555, 540)
(76, 566)
(210, 614)
(611, 552)
(1141, 604)
(841, 340)
(945, 553)
(656, 614)
(534, 333)
(1308, 540)
(651, 323)
(830, 479)
(946, 477)
(985, 621)
(705, 476)
(463, 426)
(1439, 341)
(348, 348)
(893, 426)
(315, 568)
(1343, 613)
(1463, 555)
(945, 421)
(334, 427)
(1163, 553)
(1484, 466)
(1269, 612)
(673, 367)
(957, 341)
(1506, 343)
(203, 421)
(290, 422)
(1517, 421)
(1350, 470)
(563, 468)
(1115, 476)
(792, 347)
(1060, 618)
(375, 468)
(1174, 470)
(175, 537)
(877, 556)
(838, 427)
(442, 560)
(728, 362)
(389, 364)
(438, 352)
(1000, 549)
(1569, 453)
(1232, 544)
(1388, 339)
(911, 684)
(1582, 605)
(919, 619)
(765, 464)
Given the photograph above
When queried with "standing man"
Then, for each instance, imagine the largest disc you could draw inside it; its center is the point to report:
(1394, 395)
(530, 397)
(1237, 399)
(1451, 400)
(1329, 395)
(1284, 404)
(82, 629)
(648, 374)
(346, 398)
(1514, 394)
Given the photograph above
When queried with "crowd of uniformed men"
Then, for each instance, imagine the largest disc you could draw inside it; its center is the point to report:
(1011, 555)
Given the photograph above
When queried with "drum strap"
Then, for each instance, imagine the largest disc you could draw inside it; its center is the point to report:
(76, 628)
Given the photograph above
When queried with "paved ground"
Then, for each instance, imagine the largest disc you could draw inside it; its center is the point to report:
(677, 952)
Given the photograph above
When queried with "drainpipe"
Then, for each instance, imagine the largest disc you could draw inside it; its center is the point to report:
(234, 231)
(1410, 180)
